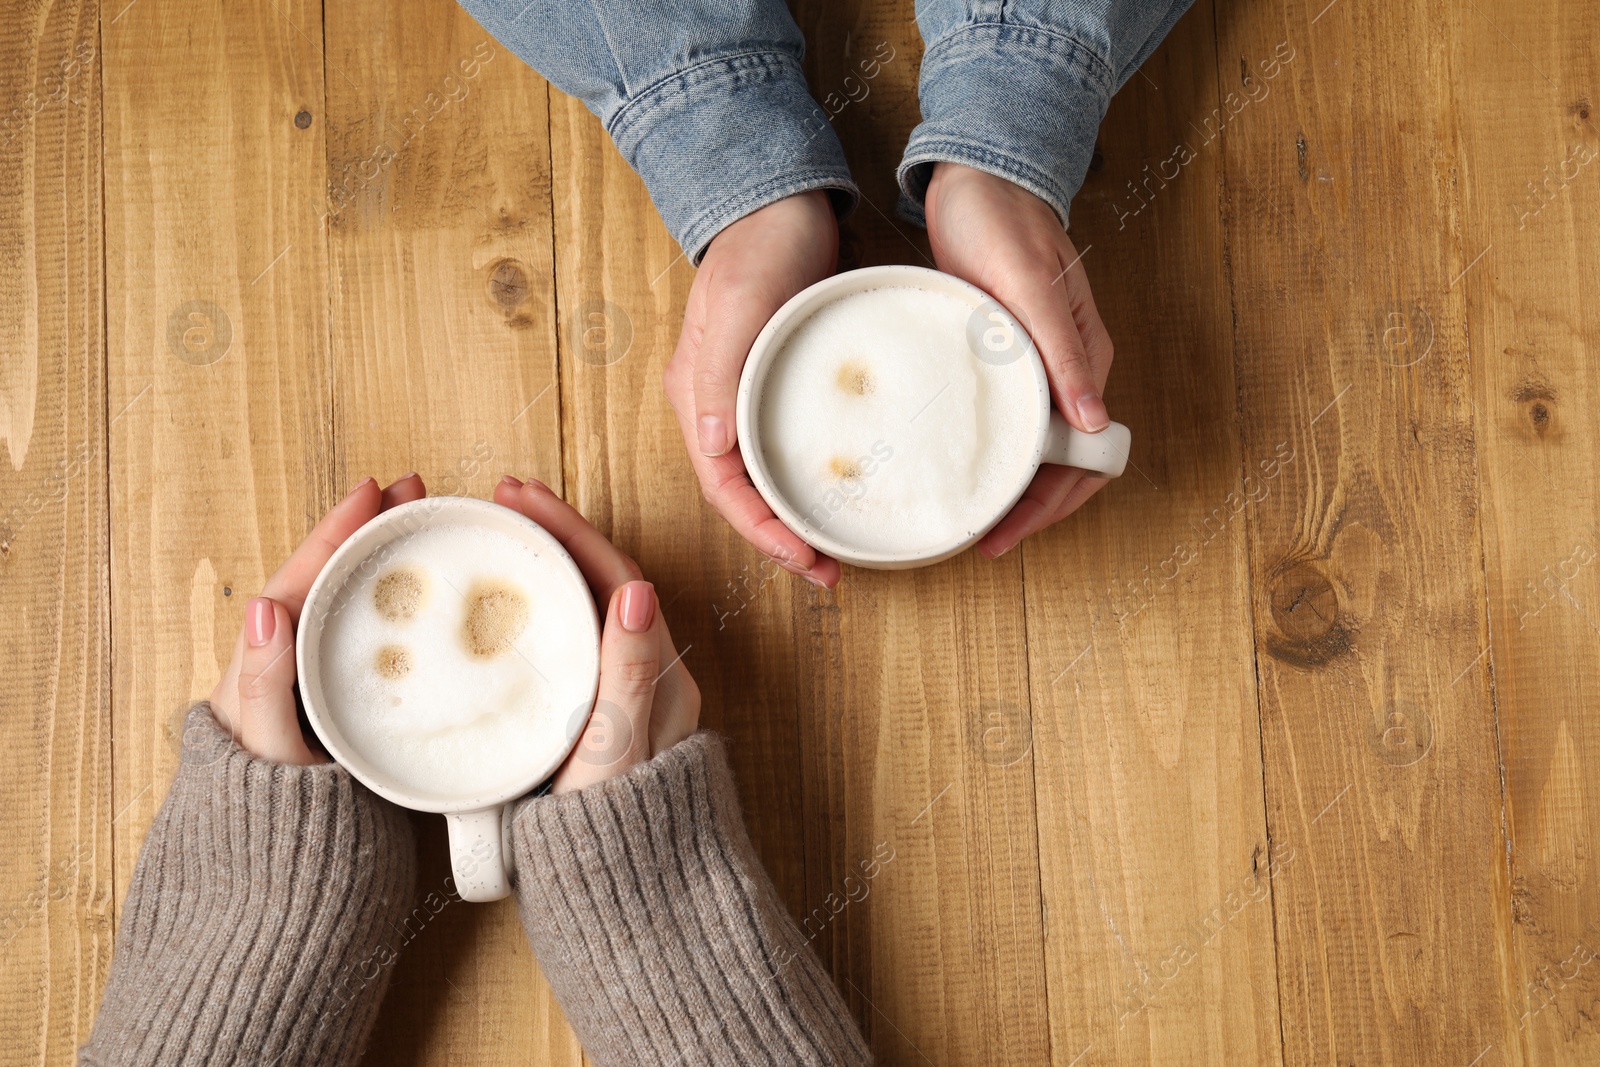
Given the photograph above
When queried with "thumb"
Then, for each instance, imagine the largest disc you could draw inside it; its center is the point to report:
(617, 734)
(267, 725)
(1075, 361)
(734, 316)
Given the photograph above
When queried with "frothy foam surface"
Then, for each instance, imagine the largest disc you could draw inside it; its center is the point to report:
(453, 662)
(879, 424)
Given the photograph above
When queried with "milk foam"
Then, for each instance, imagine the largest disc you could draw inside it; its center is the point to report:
(878, 423)
(410, 694)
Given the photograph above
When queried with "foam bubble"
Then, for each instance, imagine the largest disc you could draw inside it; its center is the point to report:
(879, 424)
(456, 664)
(399, 592)
(393, 661)
(496, 615)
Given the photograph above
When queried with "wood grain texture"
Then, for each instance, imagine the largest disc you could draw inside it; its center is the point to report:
(1378, 730)
(900, 676)
(1157, 865)
(1528, 79)
(621, 286)
(443, 361)
(55, 870)
(1278, 751)
(216, 351)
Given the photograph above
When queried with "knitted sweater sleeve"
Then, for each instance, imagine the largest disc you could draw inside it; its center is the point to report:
(256, 926)
(659, 931)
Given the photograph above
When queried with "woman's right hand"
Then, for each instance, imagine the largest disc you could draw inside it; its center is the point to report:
(750, 270)
(647, 701)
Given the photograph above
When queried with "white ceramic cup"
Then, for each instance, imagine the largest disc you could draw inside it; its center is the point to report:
(479, 824)
(993, 334)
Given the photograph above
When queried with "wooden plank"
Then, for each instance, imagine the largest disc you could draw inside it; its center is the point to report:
(622, 284)
(898, 673)
(899, 685)
(217, 362)
(442, 304)
(1146, 747)
(55, 909)
(1530, 152)
(1367, 585)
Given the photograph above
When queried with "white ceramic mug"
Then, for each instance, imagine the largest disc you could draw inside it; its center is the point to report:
(993, 334)
(479, 824)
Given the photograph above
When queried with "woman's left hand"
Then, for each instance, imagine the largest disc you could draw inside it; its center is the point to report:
(254, 701)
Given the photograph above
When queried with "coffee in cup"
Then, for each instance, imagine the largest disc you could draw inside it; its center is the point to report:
(892, 415)
(449, 655)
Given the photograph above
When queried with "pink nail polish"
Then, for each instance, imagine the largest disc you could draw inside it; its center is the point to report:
(638, 608)
(260, 621)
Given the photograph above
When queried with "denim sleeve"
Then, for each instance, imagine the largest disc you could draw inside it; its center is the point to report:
(705, 99)
(1018, 87)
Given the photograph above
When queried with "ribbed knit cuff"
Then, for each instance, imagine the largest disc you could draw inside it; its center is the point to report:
(726, 137)
(254, 929)
(658, 929)
(1017, 101)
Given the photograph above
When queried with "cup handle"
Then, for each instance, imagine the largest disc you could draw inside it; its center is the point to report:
(480, 843)
(1105, 453)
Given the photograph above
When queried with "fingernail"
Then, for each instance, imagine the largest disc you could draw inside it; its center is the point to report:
(1092, 412)
(713, 435)
(638, 608)
(1003, 551)
(818, 582)
(260, 620)
(514, 483)
(537, 484)
(407, 474)
(358, 487)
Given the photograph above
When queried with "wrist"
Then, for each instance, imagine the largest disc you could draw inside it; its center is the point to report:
(950, 179)
(803, 226)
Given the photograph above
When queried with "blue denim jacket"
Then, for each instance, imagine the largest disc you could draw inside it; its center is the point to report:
(705, 99)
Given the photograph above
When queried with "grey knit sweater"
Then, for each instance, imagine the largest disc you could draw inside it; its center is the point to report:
(258, 925)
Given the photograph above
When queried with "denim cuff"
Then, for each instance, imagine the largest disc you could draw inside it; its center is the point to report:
(1018, 101)
(727, 136)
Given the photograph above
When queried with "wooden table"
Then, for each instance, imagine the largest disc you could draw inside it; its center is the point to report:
(1281, 750)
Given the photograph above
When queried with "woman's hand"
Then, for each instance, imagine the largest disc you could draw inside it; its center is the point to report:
(751, 269)
(1009, 243)
(647, 701)
(254, 701)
